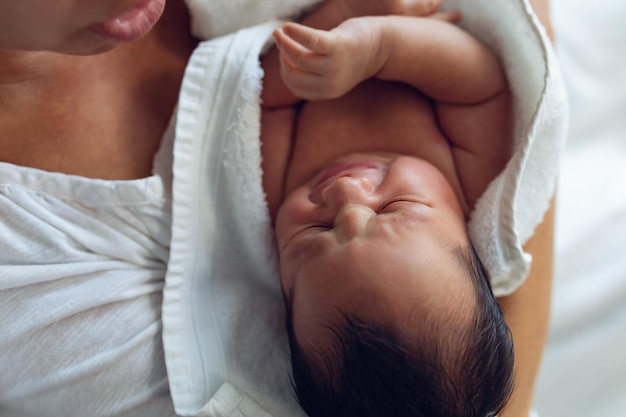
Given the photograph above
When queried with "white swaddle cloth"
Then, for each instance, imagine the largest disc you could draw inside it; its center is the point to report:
(224, 338)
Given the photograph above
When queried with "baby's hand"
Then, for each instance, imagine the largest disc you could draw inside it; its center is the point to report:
(317, 64)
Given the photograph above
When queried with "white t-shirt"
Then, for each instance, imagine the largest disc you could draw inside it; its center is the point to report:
(82, 267)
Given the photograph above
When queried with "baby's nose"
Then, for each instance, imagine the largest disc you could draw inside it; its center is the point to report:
(347, 190)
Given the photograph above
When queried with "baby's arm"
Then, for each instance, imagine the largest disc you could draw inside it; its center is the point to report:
(327, 16)
(437, 58)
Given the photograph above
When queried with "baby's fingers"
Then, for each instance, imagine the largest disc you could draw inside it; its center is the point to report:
(297, 55)
(318, 41)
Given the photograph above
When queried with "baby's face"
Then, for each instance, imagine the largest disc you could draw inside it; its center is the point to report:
(372, 234)
(74, 26)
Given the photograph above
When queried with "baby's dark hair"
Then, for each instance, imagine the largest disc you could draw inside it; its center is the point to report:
(371, 371)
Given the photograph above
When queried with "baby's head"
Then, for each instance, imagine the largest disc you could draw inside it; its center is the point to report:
(389, 310)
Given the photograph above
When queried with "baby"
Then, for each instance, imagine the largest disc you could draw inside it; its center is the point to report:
(370, 183)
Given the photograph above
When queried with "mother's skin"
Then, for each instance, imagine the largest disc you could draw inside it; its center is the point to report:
(88, 110)
(99, 116)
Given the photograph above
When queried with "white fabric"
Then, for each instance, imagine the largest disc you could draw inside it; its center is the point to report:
(222, 310)
(211, 18)
(82, 267)
(514, 203)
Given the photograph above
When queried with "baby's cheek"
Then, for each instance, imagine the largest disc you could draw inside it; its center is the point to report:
(295, 210)
(286, 283)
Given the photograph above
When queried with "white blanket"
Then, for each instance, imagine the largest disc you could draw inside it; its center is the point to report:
(225, 346)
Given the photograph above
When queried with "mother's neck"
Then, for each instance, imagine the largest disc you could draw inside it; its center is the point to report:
(117, 103)
(17, 67)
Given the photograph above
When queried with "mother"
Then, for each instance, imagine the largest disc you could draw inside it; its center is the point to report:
(85, 172)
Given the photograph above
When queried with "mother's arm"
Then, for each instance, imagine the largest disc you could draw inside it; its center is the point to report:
(527, 311)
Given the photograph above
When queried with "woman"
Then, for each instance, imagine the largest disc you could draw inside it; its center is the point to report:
(84, 150)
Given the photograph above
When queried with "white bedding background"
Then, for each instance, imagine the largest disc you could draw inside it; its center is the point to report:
(584, 369)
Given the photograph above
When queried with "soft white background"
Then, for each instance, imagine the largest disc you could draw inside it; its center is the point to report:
(584, 370)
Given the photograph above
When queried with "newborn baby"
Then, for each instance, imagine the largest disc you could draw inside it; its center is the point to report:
(369, 183)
